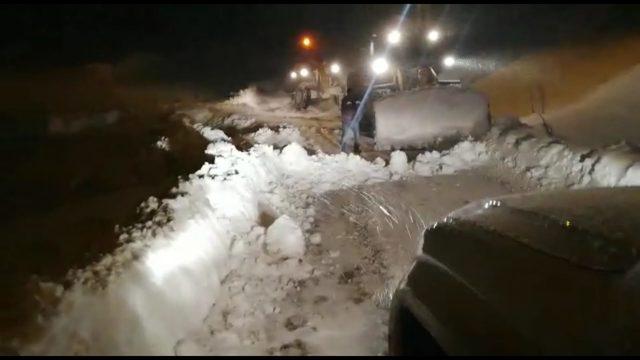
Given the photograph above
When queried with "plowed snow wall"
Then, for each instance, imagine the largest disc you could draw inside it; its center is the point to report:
(422, 118)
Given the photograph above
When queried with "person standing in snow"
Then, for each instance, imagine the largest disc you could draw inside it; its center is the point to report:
(348, 108)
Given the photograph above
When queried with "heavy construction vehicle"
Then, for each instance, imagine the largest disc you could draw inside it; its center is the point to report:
(312, 79)
(394, 70)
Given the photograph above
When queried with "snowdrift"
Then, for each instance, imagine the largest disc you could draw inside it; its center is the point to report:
(421, 118)
(608, 115)
(547, 162)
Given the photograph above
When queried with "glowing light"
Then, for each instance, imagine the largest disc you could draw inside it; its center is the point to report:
(335, 68)
(449, 61)
(306, 42)
(304, 72)
(380, 66)
(393, 37)
(433, 36)
(293, 75)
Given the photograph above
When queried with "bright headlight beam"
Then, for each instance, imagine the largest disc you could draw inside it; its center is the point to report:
(394, 37)
(379, 66)
(293, 75)
(335, 68)
(433, 36)
(304, 72)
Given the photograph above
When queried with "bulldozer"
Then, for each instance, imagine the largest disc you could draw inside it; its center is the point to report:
(407, 104)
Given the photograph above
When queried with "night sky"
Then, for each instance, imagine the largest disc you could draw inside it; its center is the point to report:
(226, 46)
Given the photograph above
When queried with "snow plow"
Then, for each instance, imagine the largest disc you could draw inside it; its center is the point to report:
(314, 83)
(312, 80)
(416, 112)
(409, 105)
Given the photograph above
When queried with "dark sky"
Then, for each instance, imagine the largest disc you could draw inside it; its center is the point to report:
(226, 46)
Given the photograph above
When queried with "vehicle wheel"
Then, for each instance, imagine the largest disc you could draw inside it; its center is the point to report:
(300, 99)
(407, 336)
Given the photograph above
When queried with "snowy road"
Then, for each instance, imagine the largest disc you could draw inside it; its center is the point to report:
(364, 241)
(282, 245)
(368, 236)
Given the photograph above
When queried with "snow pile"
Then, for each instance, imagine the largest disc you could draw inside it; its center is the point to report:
(284, 136)
(252, 98)
(163, 143)
(285, 238)
(209, 252)
(210, 134)
(546, 162)
(423, 117)
(465, 155)
(163, 281)
(398, 164)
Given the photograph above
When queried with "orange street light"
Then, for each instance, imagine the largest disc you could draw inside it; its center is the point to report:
(306, 42)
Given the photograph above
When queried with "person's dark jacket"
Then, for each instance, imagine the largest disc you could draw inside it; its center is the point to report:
(349, 107)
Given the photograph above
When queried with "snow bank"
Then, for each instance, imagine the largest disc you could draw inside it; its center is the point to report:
(424, 117)
(547, 162)
(465, 155)
(166, 277)
(162, 282)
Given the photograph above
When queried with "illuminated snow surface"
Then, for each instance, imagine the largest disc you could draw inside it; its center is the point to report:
(239, 262)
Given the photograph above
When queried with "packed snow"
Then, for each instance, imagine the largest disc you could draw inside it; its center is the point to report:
(285, 238)
(164, 279)
(280, 138)
(233, 241)
(546, 162)
(424, 117)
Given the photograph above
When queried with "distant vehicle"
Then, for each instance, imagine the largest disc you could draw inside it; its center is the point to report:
(312, 79)
(552, 273)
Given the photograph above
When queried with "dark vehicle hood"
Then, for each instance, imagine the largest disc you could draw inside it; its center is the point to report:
(558, 268)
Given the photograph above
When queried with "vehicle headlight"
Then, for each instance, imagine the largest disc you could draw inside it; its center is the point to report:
(379, 66)
(304, 72)
(449, 61)
(335, 68)
(293, 75)
(393, 37)
(433, 36)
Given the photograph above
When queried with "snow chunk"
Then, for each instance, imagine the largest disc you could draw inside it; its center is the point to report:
(284, 136)
(213, 135)
(163, 143)
(315, 239)
(285, 238)
(464, 155)
(398, 164)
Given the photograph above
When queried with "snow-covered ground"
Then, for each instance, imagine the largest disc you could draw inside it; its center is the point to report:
(278, 104)
(278, 251)
(608, 115)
